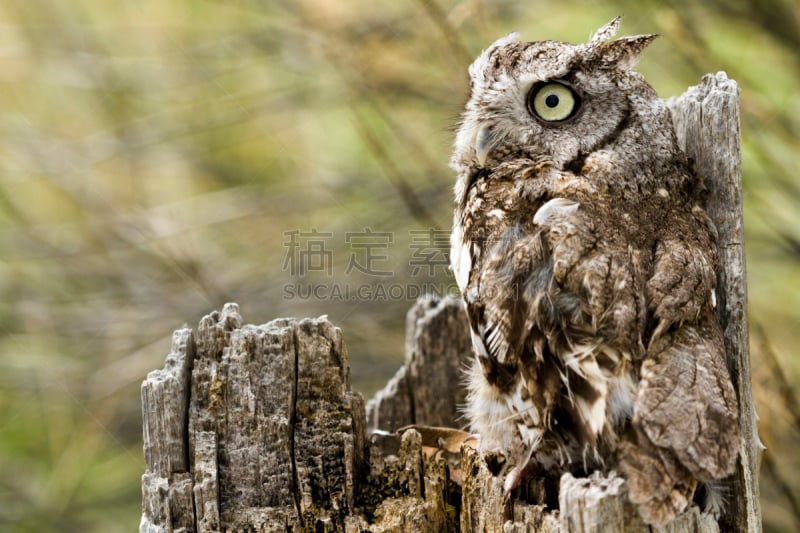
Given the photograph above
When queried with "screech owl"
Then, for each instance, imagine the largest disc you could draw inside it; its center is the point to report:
(587, 266)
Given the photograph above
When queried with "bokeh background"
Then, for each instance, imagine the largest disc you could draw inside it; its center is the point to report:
(158, 159)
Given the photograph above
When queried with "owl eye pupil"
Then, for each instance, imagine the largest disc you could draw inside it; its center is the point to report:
(551, 101)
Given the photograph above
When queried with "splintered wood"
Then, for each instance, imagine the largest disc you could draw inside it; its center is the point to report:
(261, 422)
(256, 428)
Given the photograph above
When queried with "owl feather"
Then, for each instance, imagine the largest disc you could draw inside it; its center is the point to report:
(587, 266)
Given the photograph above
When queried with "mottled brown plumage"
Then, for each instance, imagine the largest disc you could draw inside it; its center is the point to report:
(587, 266)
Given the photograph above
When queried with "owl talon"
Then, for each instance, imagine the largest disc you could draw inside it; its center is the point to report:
(512, 481)
(515, 477)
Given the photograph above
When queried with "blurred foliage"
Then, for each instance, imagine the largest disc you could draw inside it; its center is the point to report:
(155, 156)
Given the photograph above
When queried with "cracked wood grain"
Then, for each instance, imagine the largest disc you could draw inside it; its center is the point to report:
(292, 424)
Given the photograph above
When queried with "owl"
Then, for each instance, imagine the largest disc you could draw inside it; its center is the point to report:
(587, 266)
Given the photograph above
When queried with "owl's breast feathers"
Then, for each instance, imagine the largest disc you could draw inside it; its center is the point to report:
(566, 269)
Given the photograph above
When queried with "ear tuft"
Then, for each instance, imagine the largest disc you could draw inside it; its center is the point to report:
(624, 53)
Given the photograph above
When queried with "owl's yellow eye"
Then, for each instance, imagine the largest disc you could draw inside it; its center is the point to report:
(552, 102)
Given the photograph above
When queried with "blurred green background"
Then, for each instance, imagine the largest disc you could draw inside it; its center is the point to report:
(156, 159)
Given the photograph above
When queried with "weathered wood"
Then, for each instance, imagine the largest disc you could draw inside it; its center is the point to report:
(256, 428)
(428, 388)
(166, 484)
(600, 503)
(271, 437)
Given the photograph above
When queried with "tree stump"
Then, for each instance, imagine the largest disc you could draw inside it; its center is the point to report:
(256, 428)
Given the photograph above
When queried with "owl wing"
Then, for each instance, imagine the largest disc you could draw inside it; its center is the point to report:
(686, 402)
(684, 424)
(686, 399)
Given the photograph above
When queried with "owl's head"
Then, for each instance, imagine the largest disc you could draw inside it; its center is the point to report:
(550, 100)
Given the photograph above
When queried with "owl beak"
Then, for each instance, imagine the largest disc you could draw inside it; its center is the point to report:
(485, 141)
